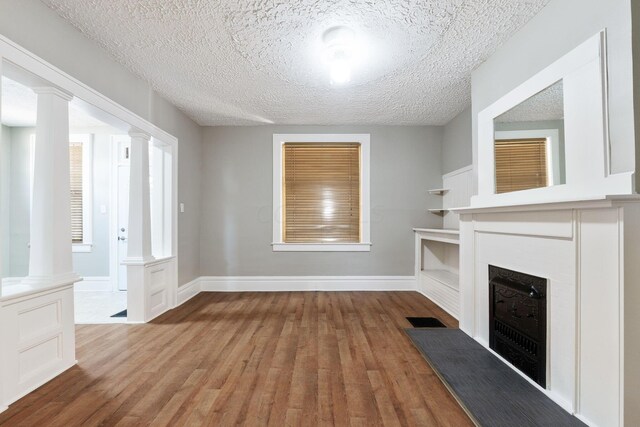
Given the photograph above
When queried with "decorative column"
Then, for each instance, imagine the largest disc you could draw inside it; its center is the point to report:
(139, 244)
(50, 240)
(44, 343)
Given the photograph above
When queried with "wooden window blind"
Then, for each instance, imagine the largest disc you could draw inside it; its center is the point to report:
(75, 157)
(521, 164)
(321, 193)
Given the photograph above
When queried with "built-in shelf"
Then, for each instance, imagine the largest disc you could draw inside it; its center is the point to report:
(446, 235)
(438, 230)
(438, 191)
(438, 211)
(437, 266)
(445, 277)
(437, 250)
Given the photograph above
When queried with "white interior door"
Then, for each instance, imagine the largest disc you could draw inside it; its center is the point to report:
(122, 174)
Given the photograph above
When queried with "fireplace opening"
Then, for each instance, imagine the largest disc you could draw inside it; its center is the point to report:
(518, 320)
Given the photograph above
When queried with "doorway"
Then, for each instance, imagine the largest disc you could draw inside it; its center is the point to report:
(101, 296)
(120, 226)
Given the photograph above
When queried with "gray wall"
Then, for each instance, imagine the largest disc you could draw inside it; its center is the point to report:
(635, 23)
(237, 202)
(5, 195)
(20, 201)
(37, 28)
(557, 29)
(456, 143)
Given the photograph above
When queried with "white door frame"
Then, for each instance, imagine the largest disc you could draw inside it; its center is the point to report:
(114, 212)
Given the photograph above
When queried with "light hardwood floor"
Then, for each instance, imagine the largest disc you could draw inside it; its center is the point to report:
(291, 358)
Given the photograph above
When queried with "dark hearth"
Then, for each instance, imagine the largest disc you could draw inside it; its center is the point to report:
(518, 320)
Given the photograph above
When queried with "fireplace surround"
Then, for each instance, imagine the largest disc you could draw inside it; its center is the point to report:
(582, 236)
(588, 253)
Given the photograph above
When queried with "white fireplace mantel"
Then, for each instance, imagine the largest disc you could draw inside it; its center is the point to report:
(582, 235)
(591, 202)
(588, 250)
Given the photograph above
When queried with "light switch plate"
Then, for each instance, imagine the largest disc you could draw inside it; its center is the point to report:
(181, 207)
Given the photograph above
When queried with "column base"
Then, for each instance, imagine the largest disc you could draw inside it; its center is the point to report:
(138, 260)
(50, 281)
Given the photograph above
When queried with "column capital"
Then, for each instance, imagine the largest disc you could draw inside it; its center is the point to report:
(50, 90)
(137, 133)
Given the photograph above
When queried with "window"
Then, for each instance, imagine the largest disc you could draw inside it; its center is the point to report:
(521, 164)
(81, 182)
(81, 186)
(321, 193)
(75, 183)
(321, 198)
(160, 187)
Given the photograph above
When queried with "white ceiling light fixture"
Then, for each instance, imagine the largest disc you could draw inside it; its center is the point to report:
(339, 45)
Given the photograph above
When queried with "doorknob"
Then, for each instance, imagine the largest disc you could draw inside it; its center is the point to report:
(122, 229)
(122, 238)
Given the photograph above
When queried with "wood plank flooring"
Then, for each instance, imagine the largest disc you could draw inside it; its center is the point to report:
(256, 359)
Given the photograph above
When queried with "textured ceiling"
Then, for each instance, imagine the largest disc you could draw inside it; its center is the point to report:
(241, 62)
(547, 104)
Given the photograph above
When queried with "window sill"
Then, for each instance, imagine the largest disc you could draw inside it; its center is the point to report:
(81, 247)
(321, 247)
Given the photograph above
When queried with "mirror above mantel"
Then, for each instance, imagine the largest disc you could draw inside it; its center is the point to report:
(529, 143)
(557, 123)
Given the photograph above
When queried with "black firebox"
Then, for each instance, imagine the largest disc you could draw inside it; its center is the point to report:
(518, 320)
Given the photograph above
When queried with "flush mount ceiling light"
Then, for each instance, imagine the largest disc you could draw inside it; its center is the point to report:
(339, 50)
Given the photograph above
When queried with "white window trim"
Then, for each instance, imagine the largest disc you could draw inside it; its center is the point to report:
(365, 208)
(87, 187)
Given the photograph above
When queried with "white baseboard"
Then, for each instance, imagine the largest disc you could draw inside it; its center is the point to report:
(94, 284)
(306, 283)
(293, 283)
(54, 373)
(442, 306)
(188, 291)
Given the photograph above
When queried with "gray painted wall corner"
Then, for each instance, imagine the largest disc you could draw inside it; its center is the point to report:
(635, 42)
(457, 142)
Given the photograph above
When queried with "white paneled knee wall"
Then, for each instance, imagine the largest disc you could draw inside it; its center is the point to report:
(37, 337)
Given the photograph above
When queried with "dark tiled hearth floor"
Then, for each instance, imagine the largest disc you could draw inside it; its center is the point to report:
(491, 392)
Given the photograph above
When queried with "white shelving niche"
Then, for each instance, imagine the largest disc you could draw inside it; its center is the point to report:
(438, 266)
(438, 192)
(437, 250)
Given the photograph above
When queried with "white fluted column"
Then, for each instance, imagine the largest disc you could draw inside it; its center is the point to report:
(50, 240)
(139, 240)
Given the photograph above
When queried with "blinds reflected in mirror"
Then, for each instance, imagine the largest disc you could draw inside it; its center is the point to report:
(521, 164)
(321, 192)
